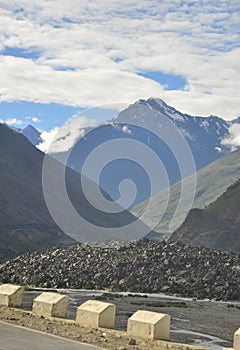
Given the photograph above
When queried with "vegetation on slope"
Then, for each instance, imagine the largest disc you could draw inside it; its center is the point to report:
(212, 181)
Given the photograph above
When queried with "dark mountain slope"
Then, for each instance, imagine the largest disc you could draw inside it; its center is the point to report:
(217, 226)
(25, 222)
(31, 133)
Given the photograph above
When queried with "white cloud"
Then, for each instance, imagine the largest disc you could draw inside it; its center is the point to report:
(62, 139)
(35, 120)
(103, 44)
(47, 139)
(82, 88)
(233, 138)
(12, 121)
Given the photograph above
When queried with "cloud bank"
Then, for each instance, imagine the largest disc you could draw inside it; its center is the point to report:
(60, 140)
(12, 121)
(84, 53)
(233, 139)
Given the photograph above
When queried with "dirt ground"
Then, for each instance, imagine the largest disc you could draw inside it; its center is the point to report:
(211, 318)
(107, 339)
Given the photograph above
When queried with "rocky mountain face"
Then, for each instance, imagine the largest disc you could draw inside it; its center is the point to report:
(154, 124)
(25, 222)
(31, 133)
(216, 226)
(143, 266)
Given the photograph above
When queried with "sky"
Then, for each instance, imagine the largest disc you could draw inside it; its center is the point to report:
(58, 58)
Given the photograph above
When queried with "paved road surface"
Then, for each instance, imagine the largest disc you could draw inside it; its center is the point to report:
(20, 338)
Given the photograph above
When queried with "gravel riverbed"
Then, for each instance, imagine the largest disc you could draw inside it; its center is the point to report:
(195, 322)
(175, 269)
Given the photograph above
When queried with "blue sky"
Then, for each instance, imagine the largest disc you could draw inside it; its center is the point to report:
(59, 58)
(169, 81)
(48, 115)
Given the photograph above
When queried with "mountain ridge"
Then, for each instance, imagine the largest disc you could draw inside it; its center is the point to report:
(144, 121)
(31, 133)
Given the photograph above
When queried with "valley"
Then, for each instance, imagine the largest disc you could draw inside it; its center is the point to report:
(120, 174)
(188, 265)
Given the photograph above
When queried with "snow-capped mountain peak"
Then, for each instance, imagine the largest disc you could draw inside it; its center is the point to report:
(153, 122)
(163, 108)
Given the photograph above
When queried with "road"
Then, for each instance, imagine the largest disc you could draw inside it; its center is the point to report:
(19, 338)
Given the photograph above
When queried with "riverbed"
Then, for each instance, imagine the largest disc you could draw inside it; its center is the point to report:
(197, 322)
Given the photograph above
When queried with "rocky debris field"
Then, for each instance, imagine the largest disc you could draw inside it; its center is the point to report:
(142, 266)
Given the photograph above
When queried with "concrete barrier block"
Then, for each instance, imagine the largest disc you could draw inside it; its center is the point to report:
(50, 305)
(94, 313)
(236, 340)
(11, 295)
(149, 325)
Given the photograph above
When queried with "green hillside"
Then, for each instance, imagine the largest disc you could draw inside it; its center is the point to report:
(212, 181)
(228, 204)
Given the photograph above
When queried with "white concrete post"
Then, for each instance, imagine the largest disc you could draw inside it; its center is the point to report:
(50, 305)
(149, 325)
(94, 313)
(236, 340)
(11, 295)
